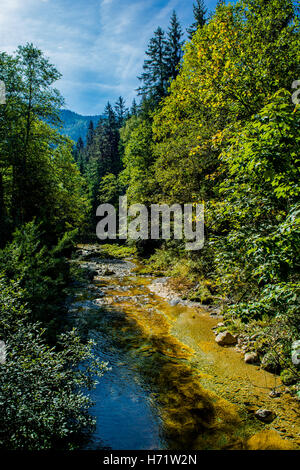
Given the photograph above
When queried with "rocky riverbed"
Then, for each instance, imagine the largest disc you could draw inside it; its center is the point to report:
(197, 394)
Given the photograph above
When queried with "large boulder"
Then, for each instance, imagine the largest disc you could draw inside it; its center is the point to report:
(226, 339)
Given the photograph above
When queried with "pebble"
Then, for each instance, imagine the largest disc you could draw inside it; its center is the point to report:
(267, 416)
(251, 358)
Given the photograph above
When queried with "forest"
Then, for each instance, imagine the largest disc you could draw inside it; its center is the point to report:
(215, 121)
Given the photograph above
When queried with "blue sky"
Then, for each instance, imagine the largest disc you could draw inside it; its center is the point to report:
(98, 45)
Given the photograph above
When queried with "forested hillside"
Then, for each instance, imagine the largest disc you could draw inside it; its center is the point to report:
(75, 125)
(213, 122)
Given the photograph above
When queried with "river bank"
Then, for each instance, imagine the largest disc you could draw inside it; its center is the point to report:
(190, 392)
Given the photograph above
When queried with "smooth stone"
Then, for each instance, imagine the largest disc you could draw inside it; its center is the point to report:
(225, 339)
(267, 416)
(251, 358)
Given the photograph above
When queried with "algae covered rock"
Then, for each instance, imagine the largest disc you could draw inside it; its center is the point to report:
(268, 440)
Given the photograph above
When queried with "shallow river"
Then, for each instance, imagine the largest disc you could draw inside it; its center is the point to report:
(170, 386)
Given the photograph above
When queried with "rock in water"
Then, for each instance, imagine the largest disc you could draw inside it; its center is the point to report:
(267, 416)
(226, 339)
(251, 358)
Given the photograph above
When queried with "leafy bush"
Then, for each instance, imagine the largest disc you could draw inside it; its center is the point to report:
(273, 301)
(41, 402)
(42, 273)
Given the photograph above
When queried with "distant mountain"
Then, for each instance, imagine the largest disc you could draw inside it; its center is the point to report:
(75, 125)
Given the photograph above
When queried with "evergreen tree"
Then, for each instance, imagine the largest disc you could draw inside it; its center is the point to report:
(156, 68)
(200, 17)
(110, 154)
(175, 45)
(134, 108)
(77, 149)
(78, 152)
(121, 111)
(89, 148)
(80, 144)
(90, 134)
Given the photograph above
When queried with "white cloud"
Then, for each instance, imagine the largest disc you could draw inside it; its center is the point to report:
(97, 45)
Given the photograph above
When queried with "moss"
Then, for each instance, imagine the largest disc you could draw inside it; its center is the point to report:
(118, 251)
(288, 377)
(202, 294)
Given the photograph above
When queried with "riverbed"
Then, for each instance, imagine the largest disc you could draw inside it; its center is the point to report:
(170, 386)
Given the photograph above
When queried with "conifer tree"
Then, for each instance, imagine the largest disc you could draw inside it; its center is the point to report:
(110, 142)
(175, 45)
(220, 3)
(80, 155)
(80, 144)
(121, 111)
(200, 17)
(78, 149)
(155, 76)
(90, 134)
(134, 108)
(29, 79)
(88, 150)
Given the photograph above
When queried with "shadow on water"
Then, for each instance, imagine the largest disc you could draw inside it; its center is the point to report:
(152, 397)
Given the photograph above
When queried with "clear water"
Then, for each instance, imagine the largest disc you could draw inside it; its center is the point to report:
(153, 397)
(125, 413)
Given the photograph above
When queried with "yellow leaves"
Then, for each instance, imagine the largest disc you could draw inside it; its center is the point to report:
(213, 176)
(217, 138)
(227, 64)
(195, 150)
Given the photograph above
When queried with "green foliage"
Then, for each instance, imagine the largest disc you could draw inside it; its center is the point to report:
(174, 47)
(41, 400)
(74, 125)
(38, 177)
(138, 175)
(42, 273)
(42, 205)
(118, 251)
(155, 76)
(272, 301)
(223, 131)
(110, 189)
(287, 377)
(200, 17)
(228, 134)
(164, 54)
